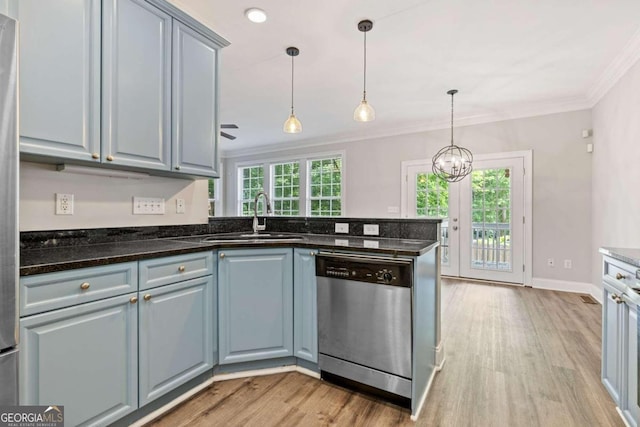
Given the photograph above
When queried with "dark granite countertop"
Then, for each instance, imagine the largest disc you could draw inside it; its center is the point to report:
(628, 255)
(51, 259)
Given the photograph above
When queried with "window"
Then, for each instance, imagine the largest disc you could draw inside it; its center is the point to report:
(251, 181)
(286, 188)
(432, 196)
(212, 197)
(325, 187)
(296, 186)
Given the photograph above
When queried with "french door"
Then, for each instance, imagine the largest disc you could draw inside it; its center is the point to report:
(483, 227)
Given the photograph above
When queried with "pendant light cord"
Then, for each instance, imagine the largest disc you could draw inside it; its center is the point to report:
(364, 92)
(291, 84)
(452, 119)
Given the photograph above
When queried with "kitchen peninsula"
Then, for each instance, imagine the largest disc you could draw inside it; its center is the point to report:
(151, 313)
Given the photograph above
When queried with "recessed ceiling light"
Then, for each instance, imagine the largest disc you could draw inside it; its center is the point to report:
(256, 15)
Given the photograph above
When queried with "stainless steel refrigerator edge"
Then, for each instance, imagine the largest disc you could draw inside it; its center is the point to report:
(9, 165)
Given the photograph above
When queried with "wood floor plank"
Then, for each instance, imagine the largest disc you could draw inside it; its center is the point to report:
(514, 357)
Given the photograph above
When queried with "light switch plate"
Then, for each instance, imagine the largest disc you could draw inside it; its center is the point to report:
(148, 206)
(371, 230)
(342, 227)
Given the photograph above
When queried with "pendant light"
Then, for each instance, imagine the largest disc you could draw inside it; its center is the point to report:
(292, 125)
(452, 163)
(364, 112)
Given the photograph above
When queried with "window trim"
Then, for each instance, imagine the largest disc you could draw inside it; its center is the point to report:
(218, 193)
(304, 160)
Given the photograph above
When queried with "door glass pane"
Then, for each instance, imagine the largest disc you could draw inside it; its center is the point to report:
(491, 219)
(432, 200)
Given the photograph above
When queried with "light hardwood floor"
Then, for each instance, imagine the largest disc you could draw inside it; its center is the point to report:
(514, 357)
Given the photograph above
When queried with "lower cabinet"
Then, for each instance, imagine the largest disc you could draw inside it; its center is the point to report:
(620, 342)
(83, 357)
(176, 335)
(612, 320)
(255, 304)
(629, 402)
(305, 312)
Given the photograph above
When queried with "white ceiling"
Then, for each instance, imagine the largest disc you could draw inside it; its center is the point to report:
(507, 57)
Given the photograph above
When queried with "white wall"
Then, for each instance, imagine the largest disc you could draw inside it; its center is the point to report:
(616, 168)
(103, 201)
(561, 179)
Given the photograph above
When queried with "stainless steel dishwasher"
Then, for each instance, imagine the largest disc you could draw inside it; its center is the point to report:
(364, 320)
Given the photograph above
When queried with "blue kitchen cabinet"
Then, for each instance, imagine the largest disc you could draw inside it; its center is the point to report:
(255, 304)
(83, 357)
(176, 335)
(136, 84)
(195, 122)
(59, 77)
(612, 314)
(305, 310)
(629, 402)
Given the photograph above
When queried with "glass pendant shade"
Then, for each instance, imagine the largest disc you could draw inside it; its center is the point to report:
(364, 112)
(292, 125)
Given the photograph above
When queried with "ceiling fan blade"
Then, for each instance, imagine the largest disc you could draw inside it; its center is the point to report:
(226, 135)
(229, 126)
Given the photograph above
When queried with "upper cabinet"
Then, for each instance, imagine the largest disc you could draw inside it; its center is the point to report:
(136, 84)
(132, 83)
(59, 77)
(195, 107)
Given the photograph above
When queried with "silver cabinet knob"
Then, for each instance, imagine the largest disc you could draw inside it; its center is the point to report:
(312, 253)
(620, 276)
(221, 254)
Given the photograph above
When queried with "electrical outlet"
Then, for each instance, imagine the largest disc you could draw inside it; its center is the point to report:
(371, 230)
(148, 206)
(342, 227)
(551, 262)
(64, 204)
(180, 206)
(567, 263)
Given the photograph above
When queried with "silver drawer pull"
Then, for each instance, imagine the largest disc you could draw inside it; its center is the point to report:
(221, 254)
(620, 276)
(85, 286)
(181, 269)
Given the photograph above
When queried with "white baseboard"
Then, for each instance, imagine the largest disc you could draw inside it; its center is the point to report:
(440, 359)
(568, 286)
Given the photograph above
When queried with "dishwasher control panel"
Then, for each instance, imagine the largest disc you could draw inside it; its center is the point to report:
(386, 271)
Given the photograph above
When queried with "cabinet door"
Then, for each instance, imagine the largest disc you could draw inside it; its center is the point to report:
(255, 304)
(136, 87)
(195, 107)
(630, 407)
(85, 358)
(305, 310)
(59, 77)
(176, 338)
(611, 340)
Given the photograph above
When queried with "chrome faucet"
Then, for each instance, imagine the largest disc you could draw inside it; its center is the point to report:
(256, 224)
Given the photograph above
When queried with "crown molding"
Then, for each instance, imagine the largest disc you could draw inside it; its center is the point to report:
(629, 55)
(535, 109)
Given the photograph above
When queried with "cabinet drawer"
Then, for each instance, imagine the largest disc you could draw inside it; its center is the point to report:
(163, 271)
(620, 274)
(46, 292)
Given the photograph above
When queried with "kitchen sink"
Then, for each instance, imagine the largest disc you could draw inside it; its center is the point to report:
(261, 237)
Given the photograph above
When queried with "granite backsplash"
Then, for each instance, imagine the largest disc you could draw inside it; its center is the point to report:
(419, 229)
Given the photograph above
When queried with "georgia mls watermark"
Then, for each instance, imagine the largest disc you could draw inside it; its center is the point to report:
(32, 416)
